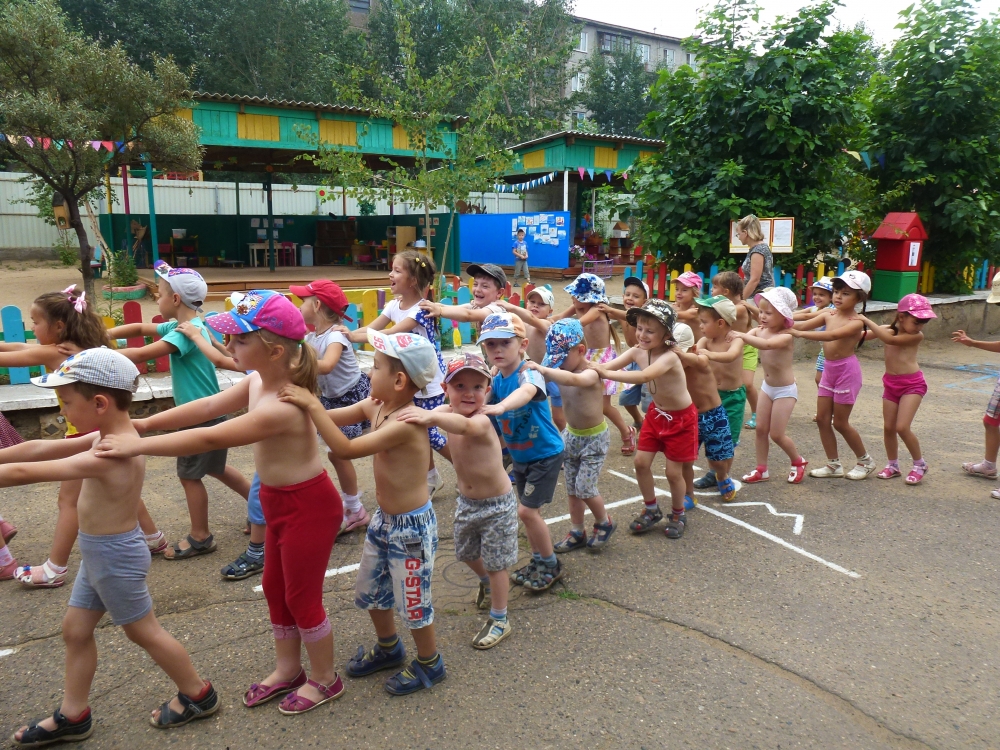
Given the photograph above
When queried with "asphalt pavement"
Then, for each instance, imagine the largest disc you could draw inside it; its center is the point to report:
(830, 614)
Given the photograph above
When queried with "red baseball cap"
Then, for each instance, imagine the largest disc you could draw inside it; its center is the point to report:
(327, 292)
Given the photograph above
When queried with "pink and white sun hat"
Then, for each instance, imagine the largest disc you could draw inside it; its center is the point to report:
(783, 300)
(916, 305)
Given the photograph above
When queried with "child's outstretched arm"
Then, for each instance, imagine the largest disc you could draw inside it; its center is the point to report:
(659, 366)
(155, 350)
(131, 330)
(563, 377)
(569, 312)
(612, 312)
(591, 315)
(84, 465)
(221, 360)
(817, 320)
(780, 341)
(460, 313)
(961, 337)
(521, 397)
(735, 350)
(846, 331)
(199, 411)
(885, 334)
(541, 324)
(442, 417)
(44, 450)
(360, 335)
(33, 356)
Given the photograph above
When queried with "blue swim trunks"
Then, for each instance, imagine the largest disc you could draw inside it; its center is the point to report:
(631, 395)
(552, 391)
(713, 431)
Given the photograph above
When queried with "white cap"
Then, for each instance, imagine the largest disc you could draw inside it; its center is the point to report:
(684, 336)
(995, 291)
(545, 292)
(102, 367)
(186, 283)
(857, 280)
(418, 355)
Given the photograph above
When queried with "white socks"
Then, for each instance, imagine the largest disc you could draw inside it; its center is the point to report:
(352, 503)
(432, 475)
(5, 557)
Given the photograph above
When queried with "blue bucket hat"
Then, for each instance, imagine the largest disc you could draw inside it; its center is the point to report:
(588, 288)
(563, 335)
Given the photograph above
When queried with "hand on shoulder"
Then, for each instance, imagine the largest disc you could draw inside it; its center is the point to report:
(298, 396)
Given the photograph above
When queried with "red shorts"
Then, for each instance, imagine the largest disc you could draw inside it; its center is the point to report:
(673, 433)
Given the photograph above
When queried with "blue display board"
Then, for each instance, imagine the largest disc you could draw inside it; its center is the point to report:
(490, 238)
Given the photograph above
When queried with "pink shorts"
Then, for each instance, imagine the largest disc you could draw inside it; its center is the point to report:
(841, 380)
(602, 357)
(897, 386)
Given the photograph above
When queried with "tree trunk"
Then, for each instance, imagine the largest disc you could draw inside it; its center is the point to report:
(85, 250)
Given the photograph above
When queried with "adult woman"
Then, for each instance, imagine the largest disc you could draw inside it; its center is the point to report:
(758, 271)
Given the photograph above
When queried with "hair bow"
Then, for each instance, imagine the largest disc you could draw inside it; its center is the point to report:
(68, 291)
(80, 304)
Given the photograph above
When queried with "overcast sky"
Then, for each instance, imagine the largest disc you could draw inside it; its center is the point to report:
(680, 18)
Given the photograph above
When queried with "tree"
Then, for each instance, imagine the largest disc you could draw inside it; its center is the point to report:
(760, 127)
(936, 118)
(617, 90)
(60, 92)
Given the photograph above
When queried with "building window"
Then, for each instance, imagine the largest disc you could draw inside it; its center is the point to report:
(690, 59)
(643, 52)
(581, 46)
(608, 41)
(360, 6)
(669, 57)
(578, 83)
(578, 119)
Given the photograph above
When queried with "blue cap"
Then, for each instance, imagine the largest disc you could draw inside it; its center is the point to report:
(563, 335)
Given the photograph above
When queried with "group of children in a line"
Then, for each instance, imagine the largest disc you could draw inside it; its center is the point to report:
(538, 403)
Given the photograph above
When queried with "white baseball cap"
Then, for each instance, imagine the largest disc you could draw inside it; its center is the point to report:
(102, 367)
(418, 355)
(545, 293)
(186, 283)
(857, 280)
(684, 336)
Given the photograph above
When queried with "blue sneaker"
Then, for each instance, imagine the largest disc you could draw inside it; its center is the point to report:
(416, 677)
(705, 482)
(376, 659)
(689, 503)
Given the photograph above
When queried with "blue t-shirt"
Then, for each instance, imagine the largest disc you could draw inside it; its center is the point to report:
(529, 431)
(522, 247)
(191, 372)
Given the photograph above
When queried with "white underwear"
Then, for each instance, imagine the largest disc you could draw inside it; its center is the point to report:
(782, 391)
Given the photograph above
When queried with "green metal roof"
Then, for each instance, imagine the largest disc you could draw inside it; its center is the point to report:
(573, 149)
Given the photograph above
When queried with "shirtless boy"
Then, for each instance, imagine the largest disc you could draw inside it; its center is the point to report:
(730, 285)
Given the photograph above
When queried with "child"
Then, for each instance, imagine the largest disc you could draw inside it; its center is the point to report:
(671, 425)
(904, 384)
(302, 507)
(587, 291)
(713, 421)
(778, 392)
(96, 388)
(64, 324)
(822, 295)
(686, 292)
(730, 285)
(634, 294)
(841, 381)
(521, 258)
(410, 280)
(341, 382)
(522, 410)
(486, 509)
(398, 558)
(586, 436)
(489, 284)
(717, 315)
(182, 292)
(538, 307)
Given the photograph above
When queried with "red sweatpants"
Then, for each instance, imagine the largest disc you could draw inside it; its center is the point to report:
(302, 525)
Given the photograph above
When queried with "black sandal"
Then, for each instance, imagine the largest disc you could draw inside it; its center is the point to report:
(196, 548)
(675, 528)
(65, 731)
(200, 709)
(544, 577)
(242, 567)
(646, 521)
(521, 575)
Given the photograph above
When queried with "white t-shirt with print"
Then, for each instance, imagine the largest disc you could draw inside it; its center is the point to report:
(396, 314)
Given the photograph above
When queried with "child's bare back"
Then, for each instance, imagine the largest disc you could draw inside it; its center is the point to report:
(701, 382)
(110, 497)
(291, 456)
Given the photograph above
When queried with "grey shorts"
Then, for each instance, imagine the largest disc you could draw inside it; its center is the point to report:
(112, 576)
(487, 529)
(536, 481)
(201, 464)
(585, 456)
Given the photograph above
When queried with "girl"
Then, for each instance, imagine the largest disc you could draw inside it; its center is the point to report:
(410, 280)
(904, 384)
(822, 294)
(64, 324)
(587, 291)
(302, 507)
(341, 382)
(841, 381)
(778, 393)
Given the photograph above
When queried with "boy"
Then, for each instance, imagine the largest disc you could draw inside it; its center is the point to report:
(488, 287)
(686, 293)
(486, 509)
(538, 307)
(718, 316)
(730, 285)
(182, 292)
(634, 294)
(518, 401)
(96, 388)
(671, 425)
(521, 258)
(398, 557)
(586, 435)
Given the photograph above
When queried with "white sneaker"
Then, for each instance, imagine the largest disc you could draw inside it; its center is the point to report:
(829, 471)
(862, 470)
(433, 485)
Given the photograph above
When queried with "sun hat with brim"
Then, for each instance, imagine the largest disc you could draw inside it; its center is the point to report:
(783, 300)
(563, 335)
(656, 309)
(856, 280)
(327, 292)
(260, 310)
(684, 336)
(545, 294)
(589, 288)
(467, 361)
(689, 278)
(186, 283)
(488, 269)
(916, 305)
(102, 367)
(636, 281)
(722, 305)
(501, 326)
(417, 354)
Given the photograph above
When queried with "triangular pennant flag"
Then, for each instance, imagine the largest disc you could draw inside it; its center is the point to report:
(27, 139)
(96, 145)
(625, 175)
(58, 145)
(108, 145)
(881, 160)
(607, 173)
(868, 161)
(581, 171)
(591, 173)
(69, 143)
(855, 154)
(13, 139)
(118, 146)
(46, 142)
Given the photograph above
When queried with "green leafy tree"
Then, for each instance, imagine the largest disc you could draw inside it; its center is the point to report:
(617, 90)
(759, 128)
(936, 118)
(59, 92)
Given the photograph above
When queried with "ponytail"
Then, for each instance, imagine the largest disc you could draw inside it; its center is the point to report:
(300, 358)
(864, 310)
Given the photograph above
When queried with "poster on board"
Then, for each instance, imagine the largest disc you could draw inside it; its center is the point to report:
(779, 234)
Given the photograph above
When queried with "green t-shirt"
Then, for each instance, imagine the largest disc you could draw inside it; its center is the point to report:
(192, 374)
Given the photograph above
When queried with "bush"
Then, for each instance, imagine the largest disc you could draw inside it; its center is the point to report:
(67, 250)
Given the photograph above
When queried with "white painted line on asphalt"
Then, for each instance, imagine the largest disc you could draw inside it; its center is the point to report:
(587, 512)
(7, 652)
(799, 520)
(714, 493)
(755, 530)
(329, 574)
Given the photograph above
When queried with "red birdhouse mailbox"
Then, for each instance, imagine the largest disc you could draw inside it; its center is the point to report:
(900, 243)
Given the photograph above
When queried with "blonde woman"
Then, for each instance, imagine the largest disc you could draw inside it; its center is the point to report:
(758, 274)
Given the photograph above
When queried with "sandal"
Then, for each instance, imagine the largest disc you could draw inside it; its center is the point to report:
(376, 659)
(259, 694)
(574, 540)
(544, 577)
(197, 548)
(727, 488)
(646, 521)
(703, 483)
(484, 599)
(756, 476)
(416, 677)
(50, 579)
(242, 567)
(916, 474)
(65, 731)
(798, 471)
(193, 710)
(889, 472)
(491, 633)
(978, 470)
(294, 703)
(8, 572)
(521, 575)
(628, 446)
(675, 526)
(159, 546)
(8, 531)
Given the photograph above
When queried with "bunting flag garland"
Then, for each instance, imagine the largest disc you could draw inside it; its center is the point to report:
(867, 157)
(608, 173)
(521, 187)
(625, 175)
(581, 170)
(591, 173)
(868, 161)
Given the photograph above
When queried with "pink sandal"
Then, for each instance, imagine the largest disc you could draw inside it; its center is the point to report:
(916, 474)
(8, 531)
(259, 694)
(798, 471)
(295, 704)
(756, 476)
(890, 472)
(628, 446)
